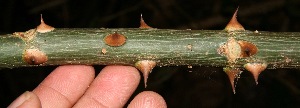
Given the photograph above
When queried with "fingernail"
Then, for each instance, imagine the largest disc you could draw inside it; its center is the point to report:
(22, 99)
(148, 99)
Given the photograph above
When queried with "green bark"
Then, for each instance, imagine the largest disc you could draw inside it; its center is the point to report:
(165, 46)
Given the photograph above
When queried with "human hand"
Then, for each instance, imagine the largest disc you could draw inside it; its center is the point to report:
(75, 86)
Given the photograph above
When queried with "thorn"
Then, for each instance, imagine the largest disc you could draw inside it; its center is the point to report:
(43, 27)
(233, 24)
(232, 74)
(255, 69)
(143, 24)
(145, 66)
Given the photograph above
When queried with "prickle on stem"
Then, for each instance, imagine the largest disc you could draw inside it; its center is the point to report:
(145, 66)
(255, 69)
(43, 27)
(233, 24)
(143, 24)
(232, 74)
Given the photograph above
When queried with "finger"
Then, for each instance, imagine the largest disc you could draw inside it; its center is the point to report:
(26, 100)
(111, 88)
(148, 99)
(64, 86)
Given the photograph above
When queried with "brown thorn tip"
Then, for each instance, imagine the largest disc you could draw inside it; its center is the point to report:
(143, 24)
(34, 56)
(145, 66)
(43, 27)
(255, 69)
(233, 24)
(232, 73)
(115, 39)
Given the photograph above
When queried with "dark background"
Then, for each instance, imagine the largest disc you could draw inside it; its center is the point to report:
(204, 86)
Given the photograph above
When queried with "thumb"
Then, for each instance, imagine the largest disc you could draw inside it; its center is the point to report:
(26, 100)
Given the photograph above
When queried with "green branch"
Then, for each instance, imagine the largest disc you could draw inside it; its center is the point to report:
(164, 46)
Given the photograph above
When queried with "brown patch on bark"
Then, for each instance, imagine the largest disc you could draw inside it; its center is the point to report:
(115, 39)
(19, 34)
(104, 51)
(287, 60)
(231, 49)
(248, 49)
(34, 57)
(234, 49)
(27, 36)
(189, 46)
(233, 24)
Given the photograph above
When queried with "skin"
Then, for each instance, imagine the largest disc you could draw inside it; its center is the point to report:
(76, 86)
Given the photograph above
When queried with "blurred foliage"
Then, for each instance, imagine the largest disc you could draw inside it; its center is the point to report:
(180, 86)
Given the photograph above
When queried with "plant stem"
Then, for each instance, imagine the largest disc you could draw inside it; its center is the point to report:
(165, 46)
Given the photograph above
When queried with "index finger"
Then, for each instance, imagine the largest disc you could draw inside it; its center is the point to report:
(64, 86)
